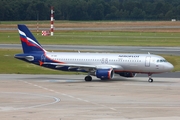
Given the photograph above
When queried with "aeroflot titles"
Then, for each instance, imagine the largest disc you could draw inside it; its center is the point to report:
(129, 56)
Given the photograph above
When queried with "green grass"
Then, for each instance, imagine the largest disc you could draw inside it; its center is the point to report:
(100, 38)
(10, 65)
(175, 60)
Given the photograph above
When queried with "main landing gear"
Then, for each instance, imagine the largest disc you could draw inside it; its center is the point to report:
(150, 80)
(88, 78)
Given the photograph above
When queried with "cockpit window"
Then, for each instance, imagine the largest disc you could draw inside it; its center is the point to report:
(161, 60)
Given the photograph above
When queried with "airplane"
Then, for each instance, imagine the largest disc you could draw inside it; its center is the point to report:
(102, 65)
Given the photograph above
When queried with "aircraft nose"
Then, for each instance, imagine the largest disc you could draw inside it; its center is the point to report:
(169, 67)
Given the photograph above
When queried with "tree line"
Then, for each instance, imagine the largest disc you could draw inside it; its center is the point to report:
(90, 9)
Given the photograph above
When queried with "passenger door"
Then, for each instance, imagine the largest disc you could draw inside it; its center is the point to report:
(147, 61)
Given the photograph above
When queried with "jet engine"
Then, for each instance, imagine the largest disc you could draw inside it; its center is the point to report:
(104, 73)
(127, 74)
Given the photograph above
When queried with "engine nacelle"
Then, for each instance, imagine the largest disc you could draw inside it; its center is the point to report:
(104, 73)
(127, 74)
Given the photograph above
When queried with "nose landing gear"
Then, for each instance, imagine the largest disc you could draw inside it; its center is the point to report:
(150, 80)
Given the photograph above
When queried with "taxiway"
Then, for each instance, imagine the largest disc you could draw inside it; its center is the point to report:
(118, 49)
(62, 97)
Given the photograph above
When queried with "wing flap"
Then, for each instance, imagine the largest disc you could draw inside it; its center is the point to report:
(83, 66)
(73, 65)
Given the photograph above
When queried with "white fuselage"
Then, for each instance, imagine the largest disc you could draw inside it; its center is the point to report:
(138, 63)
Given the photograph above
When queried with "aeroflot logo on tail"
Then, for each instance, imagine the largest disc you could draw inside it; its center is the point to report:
(28, 40)
(25, 39)
(134, 56)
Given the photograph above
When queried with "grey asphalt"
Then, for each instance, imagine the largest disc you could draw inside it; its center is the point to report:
(119, 49)
(69, 97)
(162, 75)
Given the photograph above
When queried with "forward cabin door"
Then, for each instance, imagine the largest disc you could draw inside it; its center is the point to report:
(147, 61)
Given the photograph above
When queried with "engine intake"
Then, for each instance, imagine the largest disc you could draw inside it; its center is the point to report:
(105, 73)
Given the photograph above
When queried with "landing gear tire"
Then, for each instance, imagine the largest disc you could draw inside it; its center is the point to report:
(150, 80)
(103, 79)
(88, 78)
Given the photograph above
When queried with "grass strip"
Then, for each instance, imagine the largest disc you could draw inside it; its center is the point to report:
(100, 38)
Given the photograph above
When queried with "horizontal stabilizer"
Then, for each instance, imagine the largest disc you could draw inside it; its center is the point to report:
(29, 58)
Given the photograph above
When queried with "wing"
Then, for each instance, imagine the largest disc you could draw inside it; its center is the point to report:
(86, 67)
(73, 65)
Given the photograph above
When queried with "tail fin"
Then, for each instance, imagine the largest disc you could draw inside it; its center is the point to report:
(28, 41)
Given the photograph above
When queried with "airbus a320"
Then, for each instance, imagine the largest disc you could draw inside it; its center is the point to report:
(102, 65)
